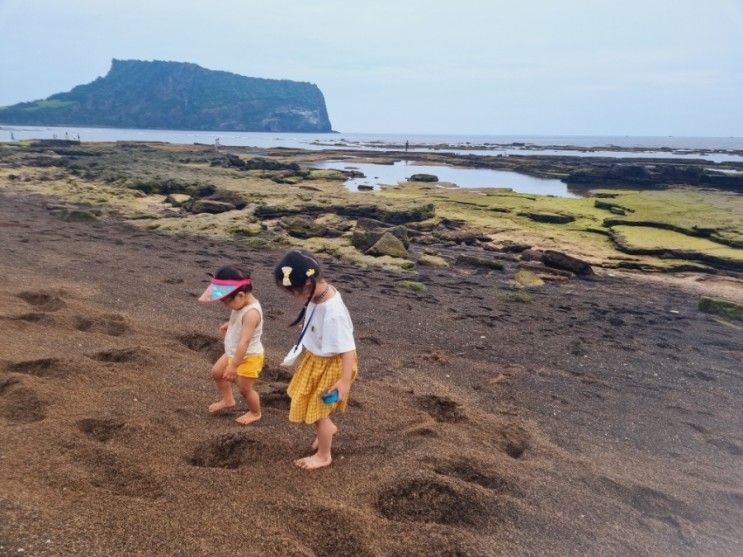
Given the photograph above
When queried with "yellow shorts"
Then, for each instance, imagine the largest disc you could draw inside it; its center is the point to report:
(251, 365)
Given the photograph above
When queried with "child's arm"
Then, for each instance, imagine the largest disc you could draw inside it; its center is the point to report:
(251, 319)
(223, 328)
(344, 383)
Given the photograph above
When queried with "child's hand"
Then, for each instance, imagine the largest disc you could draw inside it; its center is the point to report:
(230, 372)
(223, 329)
(343, 387)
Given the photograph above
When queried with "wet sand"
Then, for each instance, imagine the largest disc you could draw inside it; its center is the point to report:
(602, 417)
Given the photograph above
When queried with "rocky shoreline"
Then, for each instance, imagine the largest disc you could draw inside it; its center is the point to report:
(276, 198)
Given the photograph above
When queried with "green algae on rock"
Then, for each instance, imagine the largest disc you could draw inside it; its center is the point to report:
(723, 308)
(412, 285)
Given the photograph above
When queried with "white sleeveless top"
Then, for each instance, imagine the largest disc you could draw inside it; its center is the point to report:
(235, 330)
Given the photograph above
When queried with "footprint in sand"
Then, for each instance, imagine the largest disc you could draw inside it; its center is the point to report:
(442, 409)
(276, 398)
(113, 325)
(515, 440)
(19, 404)
(44, 367)
(35, 317)
(119, 477)
(121, 356)
(433, 499)
(42, 300)
(311, 528)
(230, 450)
(213, 347)
(273, 373)
(470, 472)
(100, 429)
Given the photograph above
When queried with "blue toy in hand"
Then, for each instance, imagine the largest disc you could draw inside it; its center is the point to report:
(331, 397)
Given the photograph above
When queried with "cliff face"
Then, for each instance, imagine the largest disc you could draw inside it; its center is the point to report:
(179, 96)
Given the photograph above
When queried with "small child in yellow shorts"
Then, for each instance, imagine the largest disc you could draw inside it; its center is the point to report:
(243, 351)
(327, 367)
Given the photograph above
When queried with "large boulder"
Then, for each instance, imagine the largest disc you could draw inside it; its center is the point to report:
(369, 231)
(210, 206)
(480, 262)
(303, 227)
(559, 260)
(388, 244)
(423, 178)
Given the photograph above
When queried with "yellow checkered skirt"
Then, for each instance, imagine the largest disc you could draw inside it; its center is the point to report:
(315, 375)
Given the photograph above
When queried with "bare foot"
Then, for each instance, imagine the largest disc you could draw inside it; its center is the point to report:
(313, 462)
(248, 418)
(220, 405)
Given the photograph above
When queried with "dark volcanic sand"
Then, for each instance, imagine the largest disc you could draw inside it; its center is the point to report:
(592, 420)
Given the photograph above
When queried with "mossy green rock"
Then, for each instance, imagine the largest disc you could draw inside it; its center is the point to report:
(723, 308)
(527, 279)
(326, 174)
(412, 285)
(245, 229)
(388, 244)
(433, 261)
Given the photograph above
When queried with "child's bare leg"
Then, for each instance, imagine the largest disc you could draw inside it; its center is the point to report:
(325, 431)
(316, 442)
(245, 384)
(224, 386)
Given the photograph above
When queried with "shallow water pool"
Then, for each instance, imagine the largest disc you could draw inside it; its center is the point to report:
(377, 175)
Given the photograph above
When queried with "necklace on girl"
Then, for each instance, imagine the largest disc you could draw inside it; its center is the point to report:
(322, 294)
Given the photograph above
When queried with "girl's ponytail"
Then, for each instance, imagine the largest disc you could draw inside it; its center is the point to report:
(293, 272)
(309, 299)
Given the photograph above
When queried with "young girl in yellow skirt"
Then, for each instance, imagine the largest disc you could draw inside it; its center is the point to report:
(243, 350)
(327, 365)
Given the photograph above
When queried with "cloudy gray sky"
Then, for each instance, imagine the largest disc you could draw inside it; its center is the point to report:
(586, 67)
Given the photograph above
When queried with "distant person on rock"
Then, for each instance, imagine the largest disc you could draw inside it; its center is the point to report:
(325, 350)
(243, 351)
(406, 145)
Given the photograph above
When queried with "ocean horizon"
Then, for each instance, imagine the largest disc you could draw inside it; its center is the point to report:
(271, 138)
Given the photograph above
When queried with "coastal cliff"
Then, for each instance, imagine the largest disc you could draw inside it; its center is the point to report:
(179, 96)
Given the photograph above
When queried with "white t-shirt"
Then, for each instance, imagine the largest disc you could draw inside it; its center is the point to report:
(330, 331)
(235, 331)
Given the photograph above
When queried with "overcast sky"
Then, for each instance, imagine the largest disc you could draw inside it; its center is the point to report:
(578, 67)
